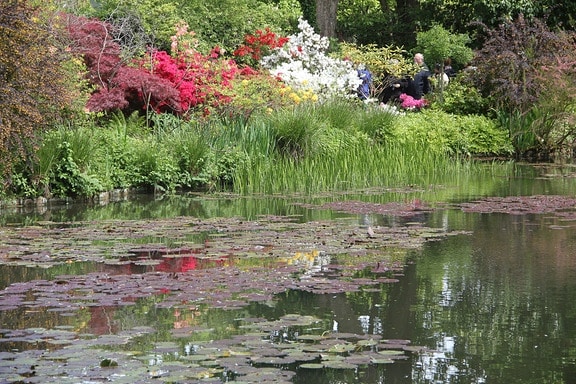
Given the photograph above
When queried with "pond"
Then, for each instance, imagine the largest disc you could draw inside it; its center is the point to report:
(473, 281)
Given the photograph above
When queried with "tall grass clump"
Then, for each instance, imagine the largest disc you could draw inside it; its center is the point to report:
(376, 122)
(334, 147)
(64, 163)
(373, 148)
(362, 165)
(297, 131)
(313, 129)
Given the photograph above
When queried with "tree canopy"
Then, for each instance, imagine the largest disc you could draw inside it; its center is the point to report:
(35, 89)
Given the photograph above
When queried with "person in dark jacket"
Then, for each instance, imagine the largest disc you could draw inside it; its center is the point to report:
(421, 82)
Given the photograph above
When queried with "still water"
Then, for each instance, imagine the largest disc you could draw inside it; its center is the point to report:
(495, 305)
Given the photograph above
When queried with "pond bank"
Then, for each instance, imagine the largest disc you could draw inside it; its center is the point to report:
(42, 204)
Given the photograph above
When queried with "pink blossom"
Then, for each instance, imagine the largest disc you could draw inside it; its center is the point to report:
(408, 102)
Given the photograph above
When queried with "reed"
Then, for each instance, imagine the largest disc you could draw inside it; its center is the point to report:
(361, 166)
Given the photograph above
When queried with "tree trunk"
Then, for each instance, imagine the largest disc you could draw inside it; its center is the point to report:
(326, 17)
(384, 6)
(407, 12)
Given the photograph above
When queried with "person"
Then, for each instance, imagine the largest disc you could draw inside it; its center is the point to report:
(469, 68)
(442, 78)
(421, 82)
(364, 89)
(448, 70)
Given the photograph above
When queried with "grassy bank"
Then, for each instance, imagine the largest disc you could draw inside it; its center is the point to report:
(310, 148)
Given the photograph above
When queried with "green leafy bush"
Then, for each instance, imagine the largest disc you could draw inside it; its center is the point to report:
(452, 134)
(63, 165)
(461, 97)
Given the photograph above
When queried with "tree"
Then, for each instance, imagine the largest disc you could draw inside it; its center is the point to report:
(35, 91)
(407, 13)
(438, 44)
(326, 11)
(222, 23)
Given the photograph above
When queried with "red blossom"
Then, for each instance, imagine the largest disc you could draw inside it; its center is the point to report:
(259, 44)
(159, 81)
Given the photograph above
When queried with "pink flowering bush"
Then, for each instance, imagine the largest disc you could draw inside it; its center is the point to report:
(183, 82)
(408, 102)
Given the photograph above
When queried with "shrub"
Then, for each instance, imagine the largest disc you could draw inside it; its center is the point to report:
(35, 88)
(528, 71)
(303, 64)
(155, 166)
(510, 61)
(461, 97)
(452, 134)
(65, 163)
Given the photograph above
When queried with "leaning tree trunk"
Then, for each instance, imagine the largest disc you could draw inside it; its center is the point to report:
(326, 17)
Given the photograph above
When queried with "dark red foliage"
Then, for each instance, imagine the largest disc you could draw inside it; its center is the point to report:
(92, 40)
(510, 61)
(145, 90)
(107, 100)
(118, 86)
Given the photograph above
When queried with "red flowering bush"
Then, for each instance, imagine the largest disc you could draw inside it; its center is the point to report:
(258, 45)
(182, 82)
(199, 79)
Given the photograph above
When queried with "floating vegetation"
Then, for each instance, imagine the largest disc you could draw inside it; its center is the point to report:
(521, 205)
(225, 264)
(250, 357)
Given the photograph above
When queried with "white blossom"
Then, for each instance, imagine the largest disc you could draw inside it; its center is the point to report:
(302, 63)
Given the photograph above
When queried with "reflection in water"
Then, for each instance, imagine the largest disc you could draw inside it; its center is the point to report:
(500, 305)
(497, 306)
(10, 274)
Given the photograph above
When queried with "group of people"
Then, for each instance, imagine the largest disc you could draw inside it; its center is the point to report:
(417, 86)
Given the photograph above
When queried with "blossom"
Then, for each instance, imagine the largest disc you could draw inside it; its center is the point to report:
(303, 64)
(408, 102)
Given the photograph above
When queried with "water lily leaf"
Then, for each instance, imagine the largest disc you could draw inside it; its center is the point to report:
(334, 364)
(367, 343)
(310, 337)
(381, 361)
(269, 360)
(341, 348)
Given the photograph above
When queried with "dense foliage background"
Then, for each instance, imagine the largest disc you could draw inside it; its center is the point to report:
(106, 94)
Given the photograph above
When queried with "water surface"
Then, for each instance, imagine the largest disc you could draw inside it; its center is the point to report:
(496, 304)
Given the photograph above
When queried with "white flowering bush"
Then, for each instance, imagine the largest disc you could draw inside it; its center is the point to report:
(302, 64)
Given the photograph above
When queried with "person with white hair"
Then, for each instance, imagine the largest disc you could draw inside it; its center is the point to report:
(421, 82)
